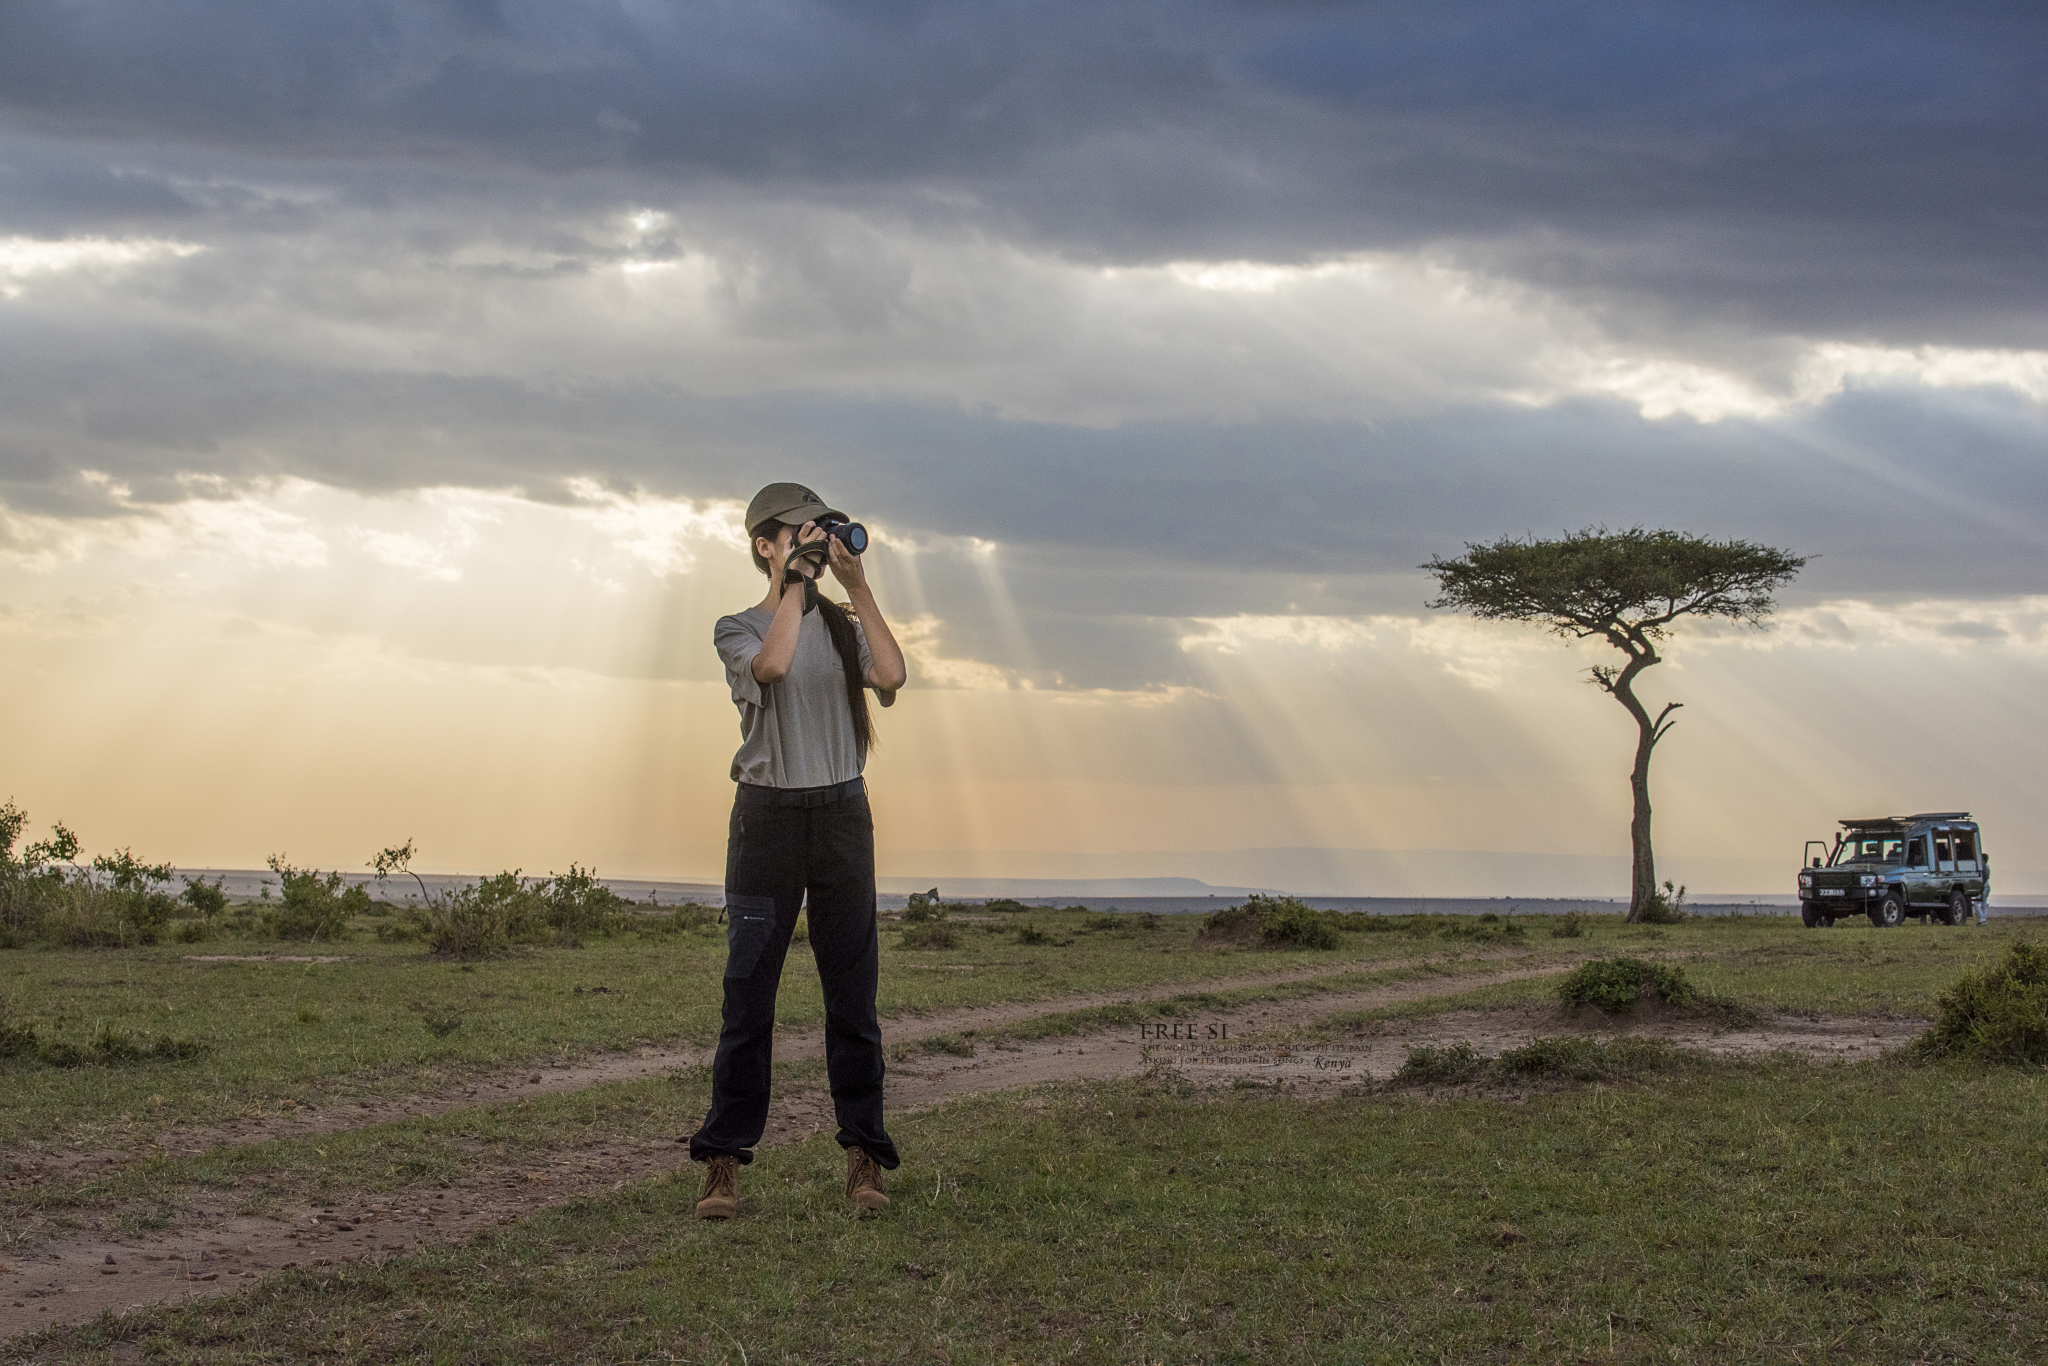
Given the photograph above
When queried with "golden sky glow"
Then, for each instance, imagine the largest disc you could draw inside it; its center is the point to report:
(317, 673)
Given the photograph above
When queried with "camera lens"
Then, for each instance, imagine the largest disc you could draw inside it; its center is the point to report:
(852, 535)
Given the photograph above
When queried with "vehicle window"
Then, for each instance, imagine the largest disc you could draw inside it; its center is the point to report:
(1917, 854)
(1870, 849)
(1966, 846)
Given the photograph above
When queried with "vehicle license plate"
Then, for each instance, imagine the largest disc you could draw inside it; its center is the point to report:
(1834, 891)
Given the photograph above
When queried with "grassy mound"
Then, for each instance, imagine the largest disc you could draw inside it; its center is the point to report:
(1614, 986)
(1273, 922)
(1999, 1015)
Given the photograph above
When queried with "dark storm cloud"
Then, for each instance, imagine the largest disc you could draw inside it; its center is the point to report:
(1804, 167)
(1108, 535)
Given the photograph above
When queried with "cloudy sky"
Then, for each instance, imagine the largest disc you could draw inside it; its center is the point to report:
(380, 385)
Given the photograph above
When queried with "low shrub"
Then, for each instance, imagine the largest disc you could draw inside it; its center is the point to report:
(1274, 922)
(931, 934)
(1450, 1065)
(504, 910)
(1583, 1059)
(1123, 922)
(923, 910)
(688, 917)
(114, 902)
(1032, 934)
(1614, 986)
(207, 899)
(1999, 1015)
(1489, 928)
(1572, 926)
(1665, 907)
(310, 905)
(108, 1048)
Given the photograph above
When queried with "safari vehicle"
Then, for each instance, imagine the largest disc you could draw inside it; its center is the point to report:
(1890, 867)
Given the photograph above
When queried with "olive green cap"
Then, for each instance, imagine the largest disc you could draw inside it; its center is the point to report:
(791, 504)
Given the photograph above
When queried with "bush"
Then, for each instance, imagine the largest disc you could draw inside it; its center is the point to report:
(932, 934)
(575, 903)
(109, 1048)
(493, 915)
(114, 902)
(310, 905)
(1999, 1015)
(1446, 1066)
(1581, 1059)
(1031, 934)
(688, 917)
(1666, 907)
(922, 910)
(1274, 922)
(1613, 986)
(207, 899)
(1485, 929)
(1572, 926)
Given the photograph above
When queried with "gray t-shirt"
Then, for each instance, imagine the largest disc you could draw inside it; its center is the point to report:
(799, 732)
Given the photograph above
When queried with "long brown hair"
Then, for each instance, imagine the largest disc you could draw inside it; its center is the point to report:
(845, 638)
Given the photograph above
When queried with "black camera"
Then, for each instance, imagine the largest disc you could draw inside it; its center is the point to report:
(852, 535)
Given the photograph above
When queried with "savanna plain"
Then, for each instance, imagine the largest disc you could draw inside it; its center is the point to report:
(397, 1138)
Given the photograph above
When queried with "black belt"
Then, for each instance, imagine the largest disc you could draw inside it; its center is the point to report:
(803, 796)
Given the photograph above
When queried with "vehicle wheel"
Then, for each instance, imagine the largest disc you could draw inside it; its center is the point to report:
(1810, 915)
(1889, 913)
(1958, 912)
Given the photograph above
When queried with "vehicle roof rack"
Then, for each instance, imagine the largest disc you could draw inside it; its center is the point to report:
(1900, 822)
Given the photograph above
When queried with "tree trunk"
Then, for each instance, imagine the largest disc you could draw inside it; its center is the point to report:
(1642, 886)
(1642, 882)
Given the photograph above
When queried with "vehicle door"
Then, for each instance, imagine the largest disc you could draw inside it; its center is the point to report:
(1944, 860)
(1969, 860)
(1920, 884)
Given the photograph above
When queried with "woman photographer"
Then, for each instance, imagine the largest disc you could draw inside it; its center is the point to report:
(799, 665)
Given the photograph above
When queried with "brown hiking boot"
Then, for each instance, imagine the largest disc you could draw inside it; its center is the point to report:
(864, 1180)
(721, 1198)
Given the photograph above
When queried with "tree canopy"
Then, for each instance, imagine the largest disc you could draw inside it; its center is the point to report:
(1632, 583)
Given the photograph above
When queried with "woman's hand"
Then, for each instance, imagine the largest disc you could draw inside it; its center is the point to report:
(846, 566)
(810, 566)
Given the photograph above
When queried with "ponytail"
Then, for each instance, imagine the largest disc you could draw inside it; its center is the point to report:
(846, 640)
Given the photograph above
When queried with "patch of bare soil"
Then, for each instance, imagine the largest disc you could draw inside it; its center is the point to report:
(72, 1280)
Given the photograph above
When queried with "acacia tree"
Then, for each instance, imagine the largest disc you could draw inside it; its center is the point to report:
(1626, 588)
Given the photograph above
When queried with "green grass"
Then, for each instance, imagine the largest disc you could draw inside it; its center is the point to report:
(1729, 1212)
(391, 1020)
(1769, 965)
(411, 1154)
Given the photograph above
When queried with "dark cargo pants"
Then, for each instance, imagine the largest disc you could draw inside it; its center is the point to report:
(777, 854)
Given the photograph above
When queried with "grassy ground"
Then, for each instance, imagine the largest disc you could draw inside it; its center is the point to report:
(390, 1020)
(1776, 965)
(1774, 1211)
